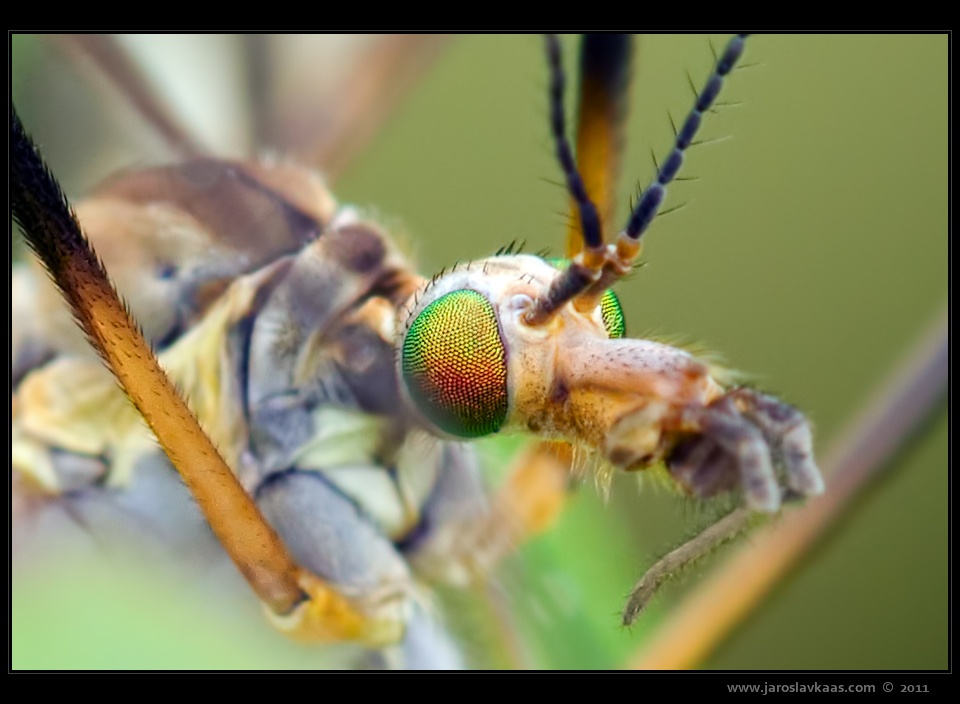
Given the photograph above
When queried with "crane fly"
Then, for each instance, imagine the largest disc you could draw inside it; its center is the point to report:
(507, 343)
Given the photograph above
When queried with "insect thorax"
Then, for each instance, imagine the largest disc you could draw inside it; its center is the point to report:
(290, 370)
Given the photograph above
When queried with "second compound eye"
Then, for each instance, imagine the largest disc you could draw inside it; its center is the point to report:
(612, 314)
(610, 310)
(454, 365)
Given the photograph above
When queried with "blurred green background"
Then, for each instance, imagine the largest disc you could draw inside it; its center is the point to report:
(812, 253)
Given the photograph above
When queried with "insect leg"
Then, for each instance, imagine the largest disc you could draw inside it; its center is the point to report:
(52, 231)
(330, 535)
(534, 494)
(328, 532)
(526, 505)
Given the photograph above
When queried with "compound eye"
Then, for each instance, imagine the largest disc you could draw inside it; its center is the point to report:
(455, 366)
(612, 314)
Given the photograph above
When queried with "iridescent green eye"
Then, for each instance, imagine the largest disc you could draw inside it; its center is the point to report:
(455, 366)
(610, 310)
(612, 313)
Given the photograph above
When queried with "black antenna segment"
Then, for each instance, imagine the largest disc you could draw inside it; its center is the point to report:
(654, 195)
(589, 218)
